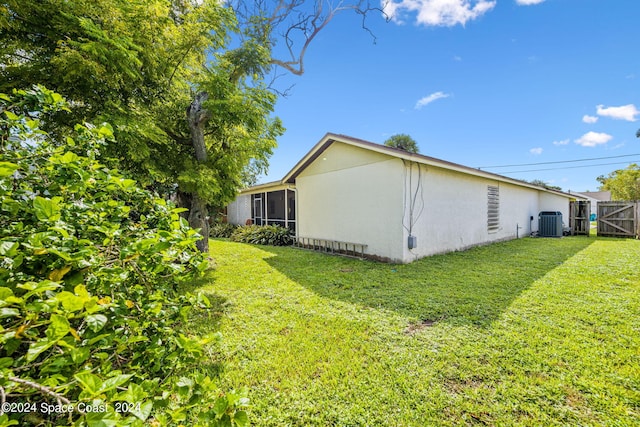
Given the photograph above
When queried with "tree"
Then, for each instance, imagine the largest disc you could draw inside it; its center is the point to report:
(92, 287)
(624, 184)
(142, 64)
(541, 183)
(402, 142)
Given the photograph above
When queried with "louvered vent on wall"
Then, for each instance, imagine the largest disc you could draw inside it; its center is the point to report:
(493, 208)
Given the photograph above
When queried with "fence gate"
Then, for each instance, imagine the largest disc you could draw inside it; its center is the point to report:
(579, 213)
(618, 219)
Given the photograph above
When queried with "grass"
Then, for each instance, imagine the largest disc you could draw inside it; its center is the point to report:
(528, 332)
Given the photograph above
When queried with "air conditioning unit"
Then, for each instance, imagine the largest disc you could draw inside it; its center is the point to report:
(550, 224)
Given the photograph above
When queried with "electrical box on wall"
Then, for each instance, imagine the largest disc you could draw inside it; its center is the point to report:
(412, 242)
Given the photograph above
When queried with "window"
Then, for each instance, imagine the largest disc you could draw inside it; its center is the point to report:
(493, 208)
(274, 208)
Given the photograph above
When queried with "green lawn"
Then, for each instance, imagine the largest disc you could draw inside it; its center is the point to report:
(528, 332)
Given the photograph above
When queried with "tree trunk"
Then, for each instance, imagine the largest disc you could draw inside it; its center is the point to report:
(198, 218)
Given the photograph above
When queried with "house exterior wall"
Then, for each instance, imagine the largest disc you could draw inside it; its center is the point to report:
(518, 205)
(239, 210)
(351, 195)
(455, 211)
(553, 202)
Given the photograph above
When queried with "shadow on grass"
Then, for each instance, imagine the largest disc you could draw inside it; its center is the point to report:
(206, 322)
(472, 287)
(202, 322)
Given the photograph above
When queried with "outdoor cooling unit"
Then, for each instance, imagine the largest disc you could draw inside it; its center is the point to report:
(550, 224)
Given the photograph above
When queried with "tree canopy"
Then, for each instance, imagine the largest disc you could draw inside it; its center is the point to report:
(403, 142)
(543, 184)
(139, 65)
(93, 287)
(183, 82)
(624, 184)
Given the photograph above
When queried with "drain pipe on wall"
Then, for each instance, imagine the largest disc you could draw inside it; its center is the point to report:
(295, 207)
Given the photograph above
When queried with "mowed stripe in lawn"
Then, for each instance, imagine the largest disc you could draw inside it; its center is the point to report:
(529, 332)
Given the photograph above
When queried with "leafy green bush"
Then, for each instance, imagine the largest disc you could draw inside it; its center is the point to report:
(222, 229)
(90, 264)
(263, 235)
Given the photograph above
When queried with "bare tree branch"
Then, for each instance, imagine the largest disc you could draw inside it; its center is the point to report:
(59, 398)
(272, 85)
(298, 23)
(3, 400)
(310, 26)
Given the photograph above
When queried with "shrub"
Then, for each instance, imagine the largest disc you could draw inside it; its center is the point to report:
(222, 229)
(90, 317)
(263, 235)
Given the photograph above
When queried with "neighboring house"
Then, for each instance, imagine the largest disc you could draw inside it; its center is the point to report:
(388, 200)
(594, 197)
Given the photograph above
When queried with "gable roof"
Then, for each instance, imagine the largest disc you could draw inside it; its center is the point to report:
(331, 138)
(603, 196)
(267, 186)
(290, 178)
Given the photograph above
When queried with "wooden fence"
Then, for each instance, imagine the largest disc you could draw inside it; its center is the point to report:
(619, 219)
(579, 213)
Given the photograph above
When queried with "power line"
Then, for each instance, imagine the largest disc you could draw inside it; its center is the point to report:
(570, 167)
(557, 162)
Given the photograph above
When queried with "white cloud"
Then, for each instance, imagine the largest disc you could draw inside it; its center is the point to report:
(624, 112)
(591, 139)
(561, 142)
(528, 2)
(536, 151)
(429, 99)
(437, 12)
(589, 119)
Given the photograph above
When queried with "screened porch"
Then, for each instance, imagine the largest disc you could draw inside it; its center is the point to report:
(274, 208)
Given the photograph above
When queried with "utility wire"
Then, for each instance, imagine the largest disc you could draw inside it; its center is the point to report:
(557, 162)
(570, 167)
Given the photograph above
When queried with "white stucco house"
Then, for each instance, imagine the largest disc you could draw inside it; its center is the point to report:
(396, 206)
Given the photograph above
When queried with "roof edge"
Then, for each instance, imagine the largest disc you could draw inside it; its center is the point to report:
(267, 186)
(329, 138)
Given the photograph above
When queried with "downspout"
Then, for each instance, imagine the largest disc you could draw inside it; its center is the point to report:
(286, 208)
(295, 192)
(265, 209)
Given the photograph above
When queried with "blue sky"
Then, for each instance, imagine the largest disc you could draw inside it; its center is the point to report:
(480, 83)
